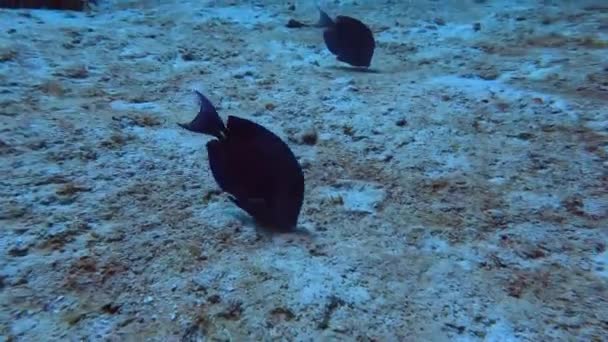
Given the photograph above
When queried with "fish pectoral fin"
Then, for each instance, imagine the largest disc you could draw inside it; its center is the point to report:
(257, 201)
(256, 207)
(254, 201)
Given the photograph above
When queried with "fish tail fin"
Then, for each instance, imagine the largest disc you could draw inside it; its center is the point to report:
(324, 19)
(207, 121)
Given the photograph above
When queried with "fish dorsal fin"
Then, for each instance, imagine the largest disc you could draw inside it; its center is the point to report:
(251, 133)
(245, 129)
(324, 19)
(207, 121)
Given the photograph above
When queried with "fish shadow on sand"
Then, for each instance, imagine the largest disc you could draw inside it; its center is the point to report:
(268, 231)
(355, 69)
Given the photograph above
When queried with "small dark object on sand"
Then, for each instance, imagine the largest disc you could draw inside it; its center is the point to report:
(292, 23)
(72, 5)
(254, 166)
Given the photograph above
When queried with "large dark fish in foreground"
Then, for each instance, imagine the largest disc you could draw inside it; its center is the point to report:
(254, 166)
(349, 39)
(74, 5)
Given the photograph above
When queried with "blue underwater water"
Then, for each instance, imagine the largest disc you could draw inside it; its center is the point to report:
(227, 170)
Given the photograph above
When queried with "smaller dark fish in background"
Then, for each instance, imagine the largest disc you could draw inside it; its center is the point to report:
(324, 21)
(254, 166)
(292, 23)
(72, 5)
(348, 38)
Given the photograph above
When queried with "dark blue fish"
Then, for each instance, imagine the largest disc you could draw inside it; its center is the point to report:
(74, 5)
(254, 166)
(348, 38)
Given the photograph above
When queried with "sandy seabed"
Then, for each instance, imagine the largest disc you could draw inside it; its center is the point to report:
(459, 192)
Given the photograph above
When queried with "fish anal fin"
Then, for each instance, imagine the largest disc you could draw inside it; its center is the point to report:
(219, 165)
(331, 40)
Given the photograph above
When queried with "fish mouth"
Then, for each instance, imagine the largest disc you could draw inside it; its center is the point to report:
(354, 68)
(358, 63)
